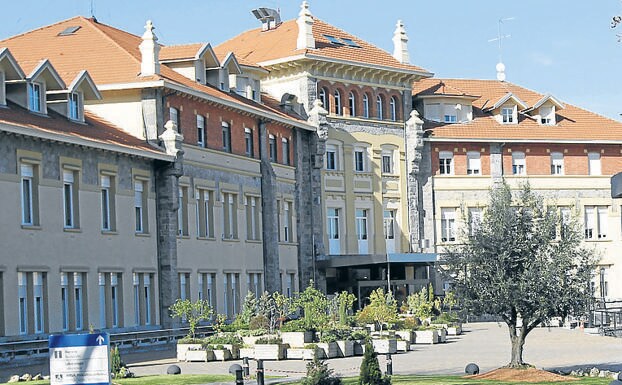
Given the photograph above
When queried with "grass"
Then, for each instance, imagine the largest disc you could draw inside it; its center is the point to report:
(191, 379)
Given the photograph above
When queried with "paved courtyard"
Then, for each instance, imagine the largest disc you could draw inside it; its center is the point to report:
(486, 344)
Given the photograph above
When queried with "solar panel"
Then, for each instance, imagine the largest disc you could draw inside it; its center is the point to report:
(333, 40)
(350, 42)
(69, 31)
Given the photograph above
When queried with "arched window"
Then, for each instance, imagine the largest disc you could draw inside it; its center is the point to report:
(323, 98)
(365, 106)
(352, 104)
(393, 107)
(379, 107)
(337, 103)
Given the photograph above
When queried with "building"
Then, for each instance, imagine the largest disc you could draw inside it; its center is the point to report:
(479, 131)
(362, 230)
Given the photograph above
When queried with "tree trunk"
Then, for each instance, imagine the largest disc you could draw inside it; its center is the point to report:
(518, 341)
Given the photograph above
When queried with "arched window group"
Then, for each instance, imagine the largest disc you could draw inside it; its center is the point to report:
(360, 104)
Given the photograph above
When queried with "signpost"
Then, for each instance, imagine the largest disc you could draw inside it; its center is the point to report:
(80, 359)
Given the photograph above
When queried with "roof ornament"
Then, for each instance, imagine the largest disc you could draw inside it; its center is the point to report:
(270, 18)
(499, 39)
(150, 52)
(305, 28)
(400, 44)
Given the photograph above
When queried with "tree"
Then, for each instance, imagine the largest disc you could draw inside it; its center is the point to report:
(318, 373)
(370, 373)
(314, 305)
(523, 262)
(382, 309)
(191, 312)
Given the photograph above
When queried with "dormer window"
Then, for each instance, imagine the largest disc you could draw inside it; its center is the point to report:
(507, 115)
(450, 118)
(547, 115)
(76, 106)
(35, 97)
(2, 90)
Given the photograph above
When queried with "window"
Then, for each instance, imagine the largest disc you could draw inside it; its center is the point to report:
(29, 194)
(596, 222)
(115, 296)
(352, 104)
(252, 218)
(338, 110)
(253, 284)
(230, 222)
(557, 163)
(331, 157)
(184, 286)
(78, 301)
(205, 213)
(475, 219)
(107, 202)
(507, 115)
(173, 115)
(143, 298)
(450, 118)
(136, 284)
(474, 163)
(64, 298)
(207, 288)
(287, 222)
(393, 108)
(182, 212)
(22, 293)
(76, 110)
(593, 159)
(333, 230)
(2, 89)
(603, 283)
(140, 207)
(70, 199)
(38, 302)
(519, 163)
(285, 151)
(446, 163)
(389, 224)
(272, 148)
(201, 131)
(35, 97)
(387, 162)
(365, 106)
(226, 137)
(323, 99)
(433, 111)
(232, 294)
(291, 284)
(359, 159)
(547, 115)
(248, 141)
(448, 225)
(361, 224)
(379, 107)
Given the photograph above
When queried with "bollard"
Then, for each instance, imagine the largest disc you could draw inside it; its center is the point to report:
(237, 370)
(245, 367)
(260, 372)
(389, 365)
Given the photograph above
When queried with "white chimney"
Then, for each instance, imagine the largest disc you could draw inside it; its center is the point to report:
(400, 44)
(305, 28)
(150, 52)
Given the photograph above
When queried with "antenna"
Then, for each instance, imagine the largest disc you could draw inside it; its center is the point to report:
(92, 10)
(499, 39)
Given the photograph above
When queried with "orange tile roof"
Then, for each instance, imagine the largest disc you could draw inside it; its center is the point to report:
(180, 52)
(95, 129)
(573, 123)
(259, 46)
(109, 55)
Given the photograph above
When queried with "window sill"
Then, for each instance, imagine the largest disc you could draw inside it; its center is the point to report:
(31, 227)
(109, 232)
(72, 230)
(258, 241)
(206, 238)
(284, 243)
(598, 240)
(146, 235)
(231, 240)
(183, 237)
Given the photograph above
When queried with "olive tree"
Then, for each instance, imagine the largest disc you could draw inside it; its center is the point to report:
(524, 262)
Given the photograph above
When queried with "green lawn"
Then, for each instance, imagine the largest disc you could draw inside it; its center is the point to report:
(190, 379)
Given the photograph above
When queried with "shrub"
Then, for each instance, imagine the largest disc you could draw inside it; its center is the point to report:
(268, 341)
(191, 312)
(115, 360)
(228, 339)
(259, 322)
(252, 332)
(370, 369)
(318, 373)
(359, 334)
(297, 325)
(190, 340)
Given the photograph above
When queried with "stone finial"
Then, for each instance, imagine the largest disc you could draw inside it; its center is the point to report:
(500, 67)
(150, 52)
(171, 138)
(400, 44)
(305, 28)
(317, 118)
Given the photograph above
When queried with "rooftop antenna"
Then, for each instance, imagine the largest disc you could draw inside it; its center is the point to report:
(92, 9)
(499, 39)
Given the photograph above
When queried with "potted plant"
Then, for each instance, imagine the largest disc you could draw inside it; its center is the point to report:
(359, 336)
(328, 343)
(307, 352)
(295, 334)
(202, 353)
(225, 341)
(269, 348)
(192, 313)
(382, 310)
(426, 335)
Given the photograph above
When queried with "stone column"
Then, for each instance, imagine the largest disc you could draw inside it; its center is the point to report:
(414, 147)
(496, 162)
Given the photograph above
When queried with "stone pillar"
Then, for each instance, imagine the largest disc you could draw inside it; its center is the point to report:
(414, 147)
(496, 162)
(269, 216)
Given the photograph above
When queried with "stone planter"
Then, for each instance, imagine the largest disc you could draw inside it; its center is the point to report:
(383, 346)
(222, 354)
(331, 349)
(359, 347)
(426, 336)
(200, 355)
(233, 349)
(454, 330)
(403, 345)
(183, 348)
(406, 335)
(269, 351)
(247, 352)
(297, 339)
(346, 348)
(304, 353)
(250, 340)
(442, 336)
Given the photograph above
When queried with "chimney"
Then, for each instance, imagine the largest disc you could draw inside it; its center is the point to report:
(400, 44)
(305, 28)
(150, 52)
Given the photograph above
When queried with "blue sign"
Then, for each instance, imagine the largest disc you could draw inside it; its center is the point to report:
(80, 359)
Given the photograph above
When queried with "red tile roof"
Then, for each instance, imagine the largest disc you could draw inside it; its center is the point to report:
(257, 46)
(573, 123)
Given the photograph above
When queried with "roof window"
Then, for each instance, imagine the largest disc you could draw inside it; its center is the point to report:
(342, 41)
(69, 31)
(334, 40)
(350, 42)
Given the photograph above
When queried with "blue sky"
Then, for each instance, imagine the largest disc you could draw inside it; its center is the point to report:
(565, 48)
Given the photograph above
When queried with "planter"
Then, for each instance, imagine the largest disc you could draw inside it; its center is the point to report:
(250, 340)
(454, 330)
(247, 352)
(383, 346)
(183, 348)
(304, 354)
(200, 355)
(233, 349)
(297, 339)
(359, 347)
(222, 354)
(331, 349)
(442, 336)
(406, 335)
(346, 348)
(270, 351)
(403, 345)
(426, 336)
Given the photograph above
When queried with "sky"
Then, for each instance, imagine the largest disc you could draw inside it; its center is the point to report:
(560, 47)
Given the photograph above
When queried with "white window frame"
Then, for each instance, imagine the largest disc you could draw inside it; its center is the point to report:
(2, 89)
(322, 96)
(387, 162)
(360, 159)
(252, 218)
(105, 203)
(69, 210)
(474, 163)
(393, 108)
(226, 137)
(557, 163)
(352, 103)
(64, 298)
(36, 100)
(475, 219)
(182, 212)
(114, 295)
(201, 142)
(287, 222)
(519, 163)
(508, 118)
(333, 219)
(22, 294)
(173, 115)
(248, 142)
(78, 298)
(365, 106)
(272, 148)
(76, 106)
(547, 115)
(38, 302)
(229, 217)
(139, 201)
(433, 111)
(594, 163)
(136, 287)
(379, 107)
(446, 163)
(362, 219)
(285, 151)
(27, 181)
(596, 222)
(448, 225)
(332, 157)
(338, 109)
(147, 277)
